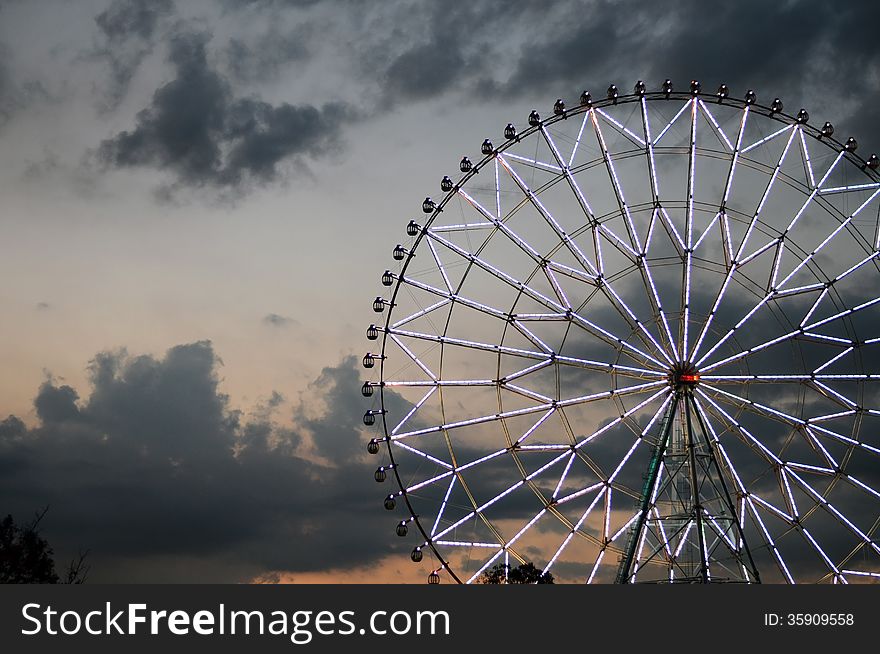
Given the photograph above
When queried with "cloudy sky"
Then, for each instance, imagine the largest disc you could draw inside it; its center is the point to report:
(197, 201)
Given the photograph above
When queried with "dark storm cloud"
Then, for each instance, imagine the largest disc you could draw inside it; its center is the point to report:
(792, 50)
(519, 50)
(153, 462)
(128, 31)
(198, 130)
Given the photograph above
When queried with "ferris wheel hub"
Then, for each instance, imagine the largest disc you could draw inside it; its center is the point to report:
(684, 375)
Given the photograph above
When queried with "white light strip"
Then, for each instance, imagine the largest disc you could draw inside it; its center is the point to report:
(412, 411)
(461, 227)
(578, 140)
(743, 430)
(532, 162)
(439, 265)
(422, 454)
(620, 127)
(412, 356)
(674, 118)
(767, 138)
(769, 539)
(443, 506)
(715, 124)
(596, 566)
(420, 313)
(531, 429)
(563, 475)
(847, 189)
(807, 164)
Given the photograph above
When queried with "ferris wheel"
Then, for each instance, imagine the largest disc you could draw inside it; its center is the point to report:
(637, 341)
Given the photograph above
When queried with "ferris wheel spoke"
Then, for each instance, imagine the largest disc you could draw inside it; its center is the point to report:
(684, 108)
(804, 329)
(766, 195)
(579, 195)
(456, 297)
(615, 183)
(411, 354)
(654, 297)
(821, 552)
(716, 128)
(848, 189)
(504, 277)
(687, 271)
(604, 284)
(804, 426)
(566, 240)
(644, 268)
(619, 127)
(413, 410)
(616, 421)
(455, 470)
(747, 437)
(642, 263)
(773, 287)
(768, 540)
(440, 265)
(576, 318)
(577, 525)
(831, 509)
(728, 186)
(532, 162)
(574, 401)
(421, 312)
(779, 241)
(425, 455)
(614, 340)
(776, 379)
(762, 141)
(808, 164)
(706, 231)
(845, 223)
(507, 545)
(443, 505)
(544, 358)
(502, 227)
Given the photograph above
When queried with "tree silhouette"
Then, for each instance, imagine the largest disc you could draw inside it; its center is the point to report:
(525, 573)
(26, 557)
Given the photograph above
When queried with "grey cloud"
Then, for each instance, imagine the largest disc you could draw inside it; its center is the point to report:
(125, 19)
(238, 5)
(153, 467)
(129, 30)
(263, 60)
(275, 320)
(198, 130)
(6, 101)
(16, 94)
(434, 48)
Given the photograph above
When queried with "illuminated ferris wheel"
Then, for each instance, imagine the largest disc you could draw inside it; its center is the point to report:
(637, 341)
